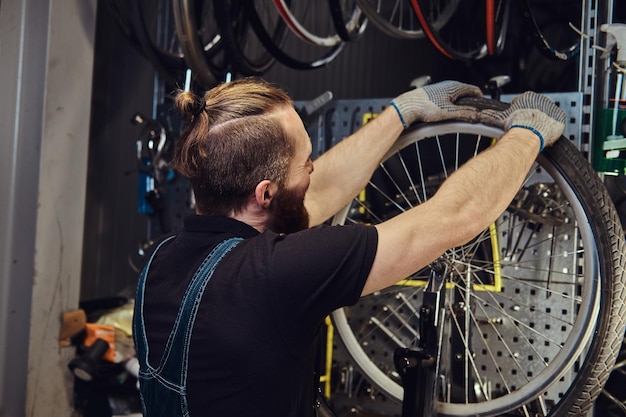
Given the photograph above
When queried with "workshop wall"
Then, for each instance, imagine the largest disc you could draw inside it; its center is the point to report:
(376, 66)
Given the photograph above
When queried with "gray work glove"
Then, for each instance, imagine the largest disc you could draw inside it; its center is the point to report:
(434, 103)
(530, 111)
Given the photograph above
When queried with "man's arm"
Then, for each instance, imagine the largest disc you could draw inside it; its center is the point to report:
(343, 171)
(471, 198)
(466, 203)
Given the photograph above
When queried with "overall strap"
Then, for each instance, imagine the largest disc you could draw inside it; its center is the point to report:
(173, 367)
(181, 334)
(139, 330)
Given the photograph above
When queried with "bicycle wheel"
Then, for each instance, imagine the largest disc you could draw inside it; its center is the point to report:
(349, 21)
(458, 38)
(497, 22)
(243, 49)
(200, 41)
(550, 24)
(534, 315)
(149, 30)
(159, 43)
(289, 50)
(397, 19)
(310, 21)
(612, 401)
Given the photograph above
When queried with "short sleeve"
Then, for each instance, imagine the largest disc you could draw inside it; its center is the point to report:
(318, 270)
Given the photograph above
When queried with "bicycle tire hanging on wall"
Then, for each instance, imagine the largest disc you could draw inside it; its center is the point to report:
(476, 29)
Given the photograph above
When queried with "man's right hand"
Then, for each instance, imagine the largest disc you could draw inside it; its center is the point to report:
(530, 111)
(435, 103)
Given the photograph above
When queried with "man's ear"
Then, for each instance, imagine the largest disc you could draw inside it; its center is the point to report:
(264, 193)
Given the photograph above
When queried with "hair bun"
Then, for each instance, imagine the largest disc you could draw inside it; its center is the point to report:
(198, 106)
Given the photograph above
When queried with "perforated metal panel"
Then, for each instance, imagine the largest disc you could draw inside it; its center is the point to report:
(339, 118)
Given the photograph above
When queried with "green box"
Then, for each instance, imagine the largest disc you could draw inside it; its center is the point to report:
(603, 143)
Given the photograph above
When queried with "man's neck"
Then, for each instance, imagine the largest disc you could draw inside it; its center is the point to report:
(257, 220)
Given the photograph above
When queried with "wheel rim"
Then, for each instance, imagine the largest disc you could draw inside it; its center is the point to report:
(326, 38)
(454, 39)
(291, 51)
(394, 19)
(537, 369)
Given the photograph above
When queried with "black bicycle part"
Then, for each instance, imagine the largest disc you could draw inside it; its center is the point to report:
(200, 41)
(342, 15)
(397, 20)
(279, 51)
(243, 51)
(167, 62)
(418, 367)
(458, 39)
(550, 22)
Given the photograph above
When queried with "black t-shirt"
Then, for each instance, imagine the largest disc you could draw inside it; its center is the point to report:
(253, 347)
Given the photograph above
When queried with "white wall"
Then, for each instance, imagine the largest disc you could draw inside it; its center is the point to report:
(46, 63)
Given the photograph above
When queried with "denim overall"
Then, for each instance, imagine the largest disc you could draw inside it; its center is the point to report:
(164, 389)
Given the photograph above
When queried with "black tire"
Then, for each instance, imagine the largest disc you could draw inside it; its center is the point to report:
(393, 19)
(168, 60)
(463, 37)
(199, 40)
(291, 51)
(609, 236)
(349, 20)
(544, 339)
(243, 50)
(140, 26)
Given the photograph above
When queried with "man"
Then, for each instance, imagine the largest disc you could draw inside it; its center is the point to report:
(256, 277)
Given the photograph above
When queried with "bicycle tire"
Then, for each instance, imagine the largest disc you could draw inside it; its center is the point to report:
(612, 401)
(299, 20)
(497, 22)
(555, 48)
(193, 46)
(285, 52)
(244, 52)
(398, 19)
(568, 381)
(349, 20)
(131, 20)
(458, 39)
(169, 60)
